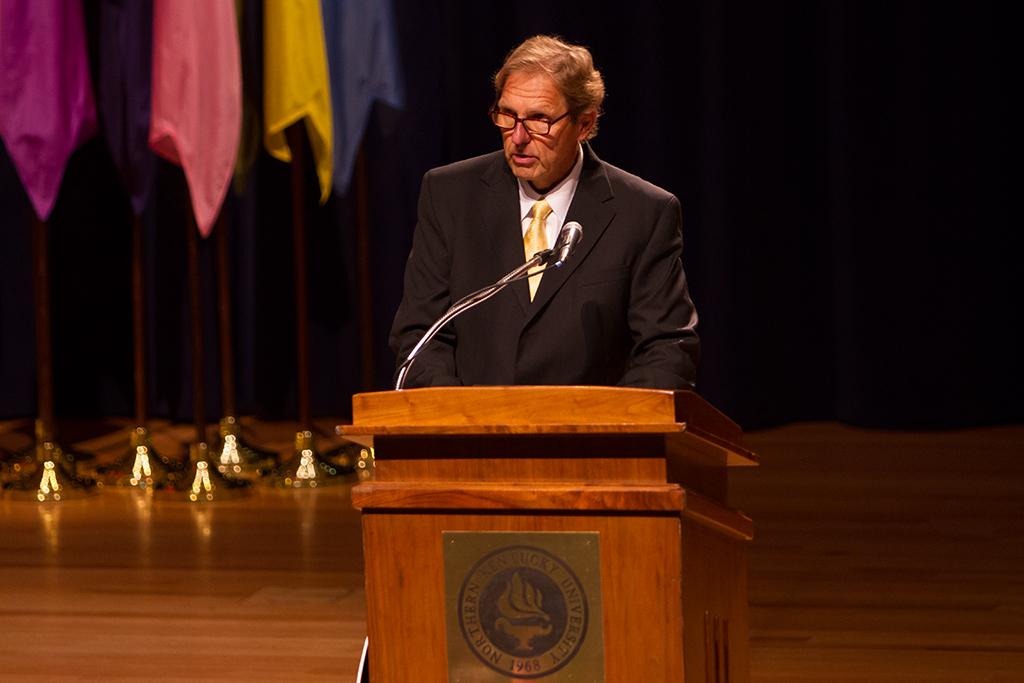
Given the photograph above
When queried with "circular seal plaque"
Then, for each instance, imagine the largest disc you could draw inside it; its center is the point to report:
(523, 611)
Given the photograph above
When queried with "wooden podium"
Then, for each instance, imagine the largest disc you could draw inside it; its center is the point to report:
(641, 471)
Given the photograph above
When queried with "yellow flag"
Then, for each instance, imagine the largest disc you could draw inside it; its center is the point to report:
(295, 82)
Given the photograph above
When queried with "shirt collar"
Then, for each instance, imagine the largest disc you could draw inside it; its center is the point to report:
(559, 197)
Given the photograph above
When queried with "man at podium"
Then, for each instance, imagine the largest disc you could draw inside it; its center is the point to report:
(617, 312)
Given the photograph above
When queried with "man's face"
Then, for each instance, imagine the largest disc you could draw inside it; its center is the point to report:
(543, 160)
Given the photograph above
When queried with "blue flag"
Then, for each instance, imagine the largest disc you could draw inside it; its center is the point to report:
(363, 58)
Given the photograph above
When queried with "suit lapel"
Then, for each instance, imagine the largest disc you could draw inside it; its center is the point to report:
(501, 219)
(593, 208)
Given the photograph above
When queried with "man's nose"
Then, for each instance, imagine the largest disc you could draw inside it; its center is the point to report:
(520, 136)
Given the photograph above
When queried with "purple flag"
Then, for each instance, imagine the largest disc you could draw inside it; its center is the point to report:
(362, 54)
(46, 102)
(126, 54)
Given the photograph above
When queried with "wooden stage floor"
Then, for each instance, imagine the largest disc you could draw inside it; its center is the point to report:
(879, 556)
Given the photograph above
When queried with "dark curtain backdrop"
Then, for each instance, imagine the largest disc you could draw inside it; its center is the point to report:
(848, 201)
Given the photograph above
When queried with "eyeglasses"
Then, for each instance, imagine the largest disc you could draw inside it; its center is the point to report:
(535, 125)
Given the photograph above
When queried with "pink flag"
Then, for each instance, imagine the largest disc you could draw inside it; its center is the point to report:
(46, 102)
(197, 97)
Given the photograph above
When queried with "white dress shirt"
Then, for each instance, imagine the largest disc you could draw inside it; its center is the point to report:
(559, 199)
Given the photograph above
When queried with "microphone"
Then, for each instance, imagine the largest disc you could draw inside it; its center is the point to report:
(568, 237)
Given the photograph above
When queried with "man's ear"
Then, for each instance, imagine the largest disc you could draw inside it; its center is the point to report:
(586, 122)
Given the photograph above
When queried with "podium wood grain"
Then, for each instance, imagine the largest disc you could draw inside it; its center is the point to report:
(407, 567)
(644, 469)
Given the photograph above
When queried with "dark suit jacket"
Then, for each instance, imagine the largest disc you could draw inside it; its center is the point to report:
(617, 313)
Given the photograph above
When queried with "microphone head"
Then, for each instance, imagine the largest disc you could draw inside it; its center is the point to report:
(569, 236)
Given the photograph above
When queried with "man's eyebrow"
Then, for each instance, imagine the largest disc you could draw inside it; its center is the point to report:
(530, 115)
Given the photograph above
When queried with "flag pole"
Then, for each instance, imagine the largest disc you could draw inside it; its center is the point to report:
(141, 466)
(139, 322)
(353, 457)
(227, 359)
(233, 454)
(45, 472)
(297, 143)
(148, 469)
(44, 339)
(206, 484)
(195, 309)
(308, 468)
(363, 271)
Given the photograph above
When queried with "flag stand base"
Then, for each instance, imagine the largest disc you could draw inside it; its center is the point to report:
(46, 473)
(236, 458)
(206, 484)
(308, 469)
(142, 467)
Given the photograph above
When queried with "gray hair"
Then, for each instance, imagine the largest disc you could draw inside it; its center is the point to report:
(571, 67)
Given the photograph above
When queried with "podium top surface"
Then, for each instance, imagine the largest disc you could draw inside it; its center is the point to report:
(496, 410)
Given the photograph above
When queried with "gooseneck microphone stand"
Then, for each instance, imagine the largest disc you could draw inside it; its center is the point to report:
(569, 236)
(473, 299)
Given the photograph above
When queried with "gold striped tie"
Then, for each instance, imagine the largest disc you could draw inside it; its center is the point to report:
(536, 239)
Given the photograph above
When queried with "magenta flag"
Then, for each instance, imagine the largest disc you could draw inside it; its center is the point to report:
(197, 97)
(46, 101)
